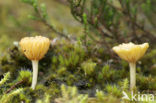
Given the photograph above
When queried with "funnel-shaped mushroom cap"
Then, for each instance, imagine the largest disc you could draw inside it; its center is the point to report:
(35, 47)
(131, 52)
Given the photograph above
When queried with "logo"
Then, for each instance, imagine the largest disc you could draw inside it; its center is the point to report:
(138, 97)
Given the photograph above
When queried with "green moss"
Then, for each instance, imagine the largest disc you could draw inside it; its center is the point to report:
(70, 71)
(60, 66)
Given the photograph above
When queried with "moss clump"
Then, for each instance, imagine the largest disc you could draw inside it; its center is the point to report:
(59, 67)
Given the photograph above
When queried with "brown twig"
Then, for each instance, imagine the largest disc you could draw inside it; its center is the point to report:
(49, 25)
(12, 87)
(134, 23)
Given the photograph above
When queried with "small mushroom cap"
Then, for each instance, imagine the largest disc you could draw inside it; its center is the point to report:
(131, 52)
(35, 48)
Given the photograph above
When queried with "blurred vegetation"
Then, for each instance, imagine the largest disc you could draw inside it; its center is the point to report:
(80, 66)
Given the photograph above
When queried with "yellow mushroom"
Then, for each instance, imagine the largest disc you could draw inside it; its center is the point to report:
(131, 53)
(34, 49)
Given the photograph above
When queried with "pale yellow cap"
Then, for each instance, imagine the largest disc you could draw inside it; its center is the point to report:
(130, 51)
(35, 47)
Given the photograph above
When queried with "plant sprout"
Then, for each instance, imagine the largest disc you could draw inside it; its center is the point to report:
(34, 49)
(131, 53)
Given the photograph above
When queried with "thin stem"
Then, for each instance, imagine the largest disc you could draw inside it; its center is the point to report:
(35, 73)
(14, 86)
(49, 25)
(132, 75)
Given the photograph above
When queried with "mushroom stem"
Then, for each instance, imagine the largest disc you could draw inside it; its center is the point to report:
(132, 75)
(35, 73)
